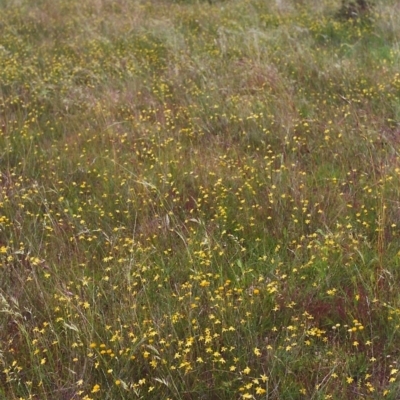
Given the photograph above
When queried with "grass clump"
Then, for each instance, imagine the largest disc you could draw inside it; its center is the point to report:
(199, 200)
(354, 9)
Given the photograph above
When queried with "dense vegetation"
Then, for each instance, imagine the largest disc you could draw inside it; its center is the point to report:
(199, 200)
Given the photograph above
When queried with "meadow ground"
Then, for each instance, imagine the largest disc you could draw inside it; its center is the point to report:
(199, 200)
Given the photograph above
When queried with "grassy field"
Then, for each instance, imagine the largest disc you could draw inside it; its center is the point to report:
(199, 200)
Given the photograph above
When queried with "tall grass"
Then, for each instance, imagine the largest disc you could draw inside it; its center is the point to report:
(199, 201)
